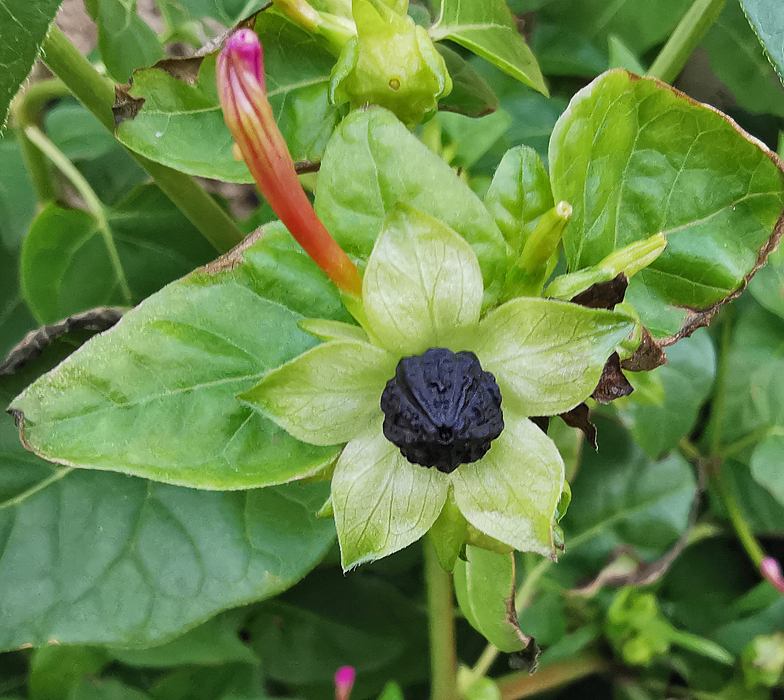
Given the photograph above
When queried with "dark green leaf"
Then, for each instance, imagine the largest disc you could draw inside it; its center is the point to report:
(686, 379)
(766, 461)
(372, 163)
(759, 508)
(561, 50)
(635, 158)
(227, 12)
(17, 198)
(23, 26)
(67, 264)
(225, 682)
(621, 497)
(487, 28)
(739, 60)
(105, 689)
(105, 164)
(640, 24)
(15, 317)
(755, 375)
(181, 124)
(55, 670)
(160, 387)
(484, 584)
(125, 41)
(96, 558)
(472, 138)
(331, 620)
(471, 95)
(215, 642)
(768, 22)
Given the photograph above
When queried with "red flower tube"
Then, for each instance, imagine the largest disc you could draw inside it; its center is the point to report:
(248, 114)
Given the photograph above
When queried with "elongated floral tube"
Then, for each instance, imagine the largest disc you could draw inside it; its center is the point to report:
(248, 114)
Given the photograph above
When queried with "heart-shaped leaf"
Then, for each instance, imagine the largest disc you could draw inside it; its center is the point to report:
(635, 158)
(155, 395)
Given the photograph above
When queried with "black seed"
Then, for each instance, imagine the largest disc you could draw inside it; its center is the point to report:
(442, 409)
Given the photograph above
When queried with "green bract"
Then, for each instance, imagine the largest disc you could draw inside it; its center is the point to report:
(391, 62)
(423, 289)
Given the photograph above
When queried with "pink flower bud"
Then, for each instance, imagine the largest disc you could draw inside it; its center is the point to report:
(248, 114)
(771, 572)
(344, 681)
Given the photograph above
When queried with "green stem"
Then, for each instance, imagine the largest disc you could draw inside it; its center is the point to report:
(524, 685)
(96, 93)
(742, 528)
(441, 624)
(702, 646)
(26, 110)
(752, 438)
(97, 210)
(720, 395)
(685, 38)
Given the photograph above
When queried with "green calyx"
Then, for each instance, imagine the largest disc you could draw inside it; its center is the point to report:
(391, 62)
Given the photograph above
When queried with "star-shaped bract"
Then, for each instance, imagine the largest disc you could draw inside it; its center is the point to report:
(423, 289)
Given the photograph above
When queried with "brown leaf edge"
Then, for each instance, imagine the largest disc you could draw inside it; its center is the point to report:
(35, 342)
(527, 659)
(699, 318)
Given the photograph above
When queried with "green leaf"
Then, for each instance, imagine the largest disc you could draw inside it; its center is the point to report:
(766, 465)
(768, 23)
(767, 286)
(106, 689)
(546, 355)
(125, 41)
(181, 124)
(17, 197)
(738, 59)
(422, 286)
(635, 158)
(227, 12)
(24, 24)
(640, 24)
(331, 620)
(471, 95)
(484, 583)
(105, 164)
(619, 496)
(511, 493)
(67, 265)
(754, 386)
(687, 379)
(328, 395)
(56, 670)
(224, 682)
(382, 501)
(487, 28)
(96, 558)
(471, 138)
(372, 163)
(15, 317)
(759, 508)
(160, 387)
(215, 642)
(563, 50)
(519, 194)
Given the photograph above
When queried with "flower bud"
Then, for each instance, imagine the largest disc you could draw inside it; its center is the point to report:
(248, 114)
(391, 62)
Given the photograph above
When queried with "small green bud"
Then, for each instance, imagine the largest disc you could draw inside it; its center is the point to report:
(763, 660)
(540, 253)
(391, 62)
(629, 260)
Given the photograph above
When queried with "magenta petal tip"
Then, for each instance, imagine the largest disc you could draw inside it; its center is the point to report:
(244, 44)
(344, 681)
(771, 572)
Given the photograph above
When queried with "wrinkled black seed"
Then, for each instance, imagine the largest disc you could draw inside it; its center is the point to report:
(441, 409)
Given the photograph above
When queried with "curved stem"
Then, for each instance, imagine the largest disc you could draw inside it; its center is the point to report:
(96, 93)
(524, 685)
(67, 168)
(26, 110)
(685, 38)
(441, 624)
